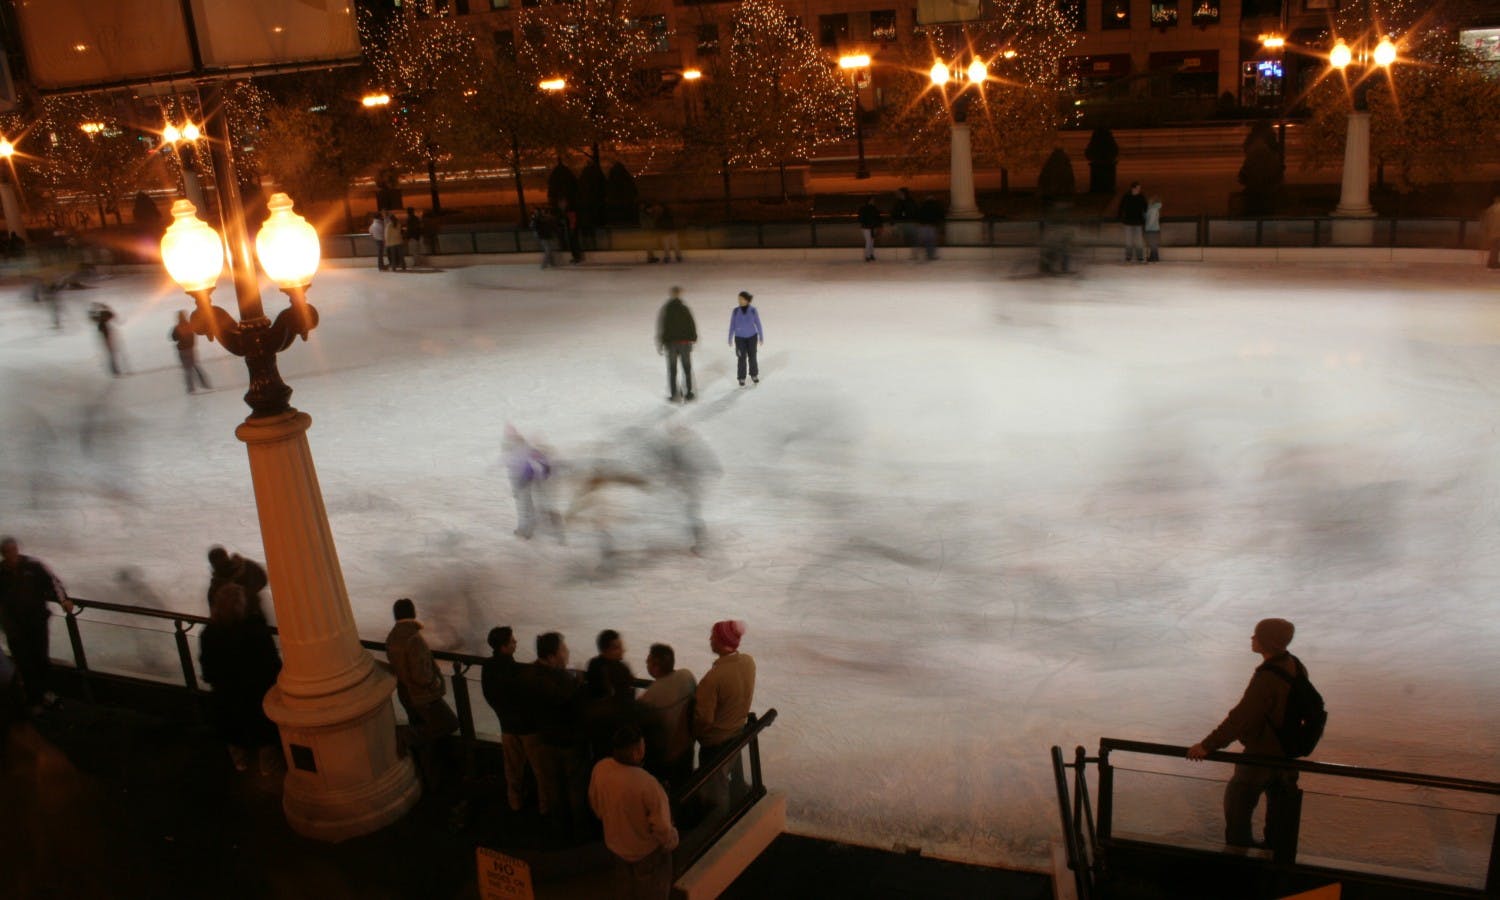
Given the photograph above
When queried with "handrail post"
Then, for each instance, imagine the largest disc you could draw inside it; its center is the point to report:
(1070, 830)
(80, 659)
(461, 700)
(1106, 794)
(1492, 880)
(754, 754)
(185, 654)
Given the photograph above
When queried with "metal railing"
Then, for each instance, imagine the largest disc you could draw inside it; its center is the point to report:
(841, 232)
(1089, 837)
(711, 817)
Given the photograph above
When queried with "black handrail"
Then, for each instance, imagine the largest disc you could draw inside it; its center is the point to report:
(731, 751)
(1467, 785)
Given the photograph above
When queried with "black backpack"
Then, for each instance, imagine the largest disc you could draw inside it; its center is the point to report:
(1305, 716)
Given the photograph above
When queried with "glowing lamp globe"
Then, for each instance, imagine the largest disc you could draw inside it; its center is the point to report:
(192, 251)
(190, 132)
(1385, 52)
(940, 73)
(1340, 56)
(171, 134)
(7, 149)
(978, 72)
(287, 246)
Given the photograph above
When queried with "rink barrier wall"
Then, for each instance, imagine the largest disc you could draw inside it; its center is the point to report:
(1094, 853)
(160, 691)
(1201, 238)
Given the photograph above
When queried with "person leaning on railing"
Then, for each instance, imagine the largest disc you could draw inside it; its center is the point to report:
(1253, 722)
(722, 704)
(500, 679)
(26, 587)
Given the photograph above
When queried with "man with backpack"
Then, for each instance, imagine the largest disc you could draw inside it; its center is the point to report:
(1281, 715)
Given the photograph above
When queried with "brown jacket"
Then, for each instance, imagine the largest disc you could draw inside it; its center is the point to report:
(1254, 720)
(417, 675)
(722, 704)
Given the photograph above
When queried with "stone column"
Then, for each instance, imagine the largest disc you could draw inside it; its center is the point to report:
(12, 209)
(331, 702)
(1354, 197)
(965, 223)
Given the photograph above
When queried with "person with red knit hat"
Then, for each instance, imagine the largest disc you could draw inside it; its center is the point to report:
(721, 705)
(1253, 722)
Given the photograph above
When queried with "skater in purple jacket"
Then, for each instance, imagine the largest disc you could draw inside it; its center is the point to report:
(745, 335)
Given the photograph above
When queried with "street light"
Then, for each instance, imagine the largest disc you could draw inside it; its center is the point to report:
(854, 63)
(553, 85)
(1361, 61)
(373, 100)
(183, 140)
(331, 702)
(10, 190)
(963, 209)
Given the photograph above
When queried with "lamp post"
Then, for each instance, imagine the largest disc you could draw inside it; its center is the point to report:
(963, 210)
(10, 190)
(331, 702)
(183, 141)
(854, 64)
(1354, 193)
(690, 77)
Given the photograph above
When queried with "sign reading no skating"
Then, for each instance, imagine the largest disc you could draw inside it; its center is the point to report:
(503, 877)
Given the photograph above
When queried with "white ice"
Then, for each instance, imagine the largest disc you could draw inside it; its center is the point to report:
(966, 515)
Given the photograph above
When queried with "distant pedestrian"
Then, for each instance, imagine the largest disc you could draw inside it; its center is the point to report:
(648, 230)
(500, 678)
(240, 662)
(187, 353)
(567, 230)
(1133, 217)
(637, 820)
(668, 725)
(27, 586)
(904, 216)
(377, 234)
(1254, 722)
(746, 335)
(1491, 224)
(676, 332)
(103, 318)
(544, 227)
(231, 568)
(666, 226)
(929, 219)
(395, 246)
(869, 224)
(411, 232)
(420, 688)
(1152, 228)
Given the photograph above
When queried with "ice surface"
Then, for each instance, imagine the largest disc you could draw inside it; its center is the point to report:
(966, 515)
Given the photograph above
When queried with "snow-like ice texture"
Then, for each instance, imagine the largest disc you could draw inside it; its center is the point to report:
(966, 515)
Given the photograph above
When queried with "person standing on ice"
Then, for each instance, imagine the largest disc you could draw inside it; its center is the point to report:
(869, 224)
(377, 234)
(1253, 722)
(104, 318)
(187, 352)
(528, 469)
(745, 334)
(676, 332)
(1133, 217)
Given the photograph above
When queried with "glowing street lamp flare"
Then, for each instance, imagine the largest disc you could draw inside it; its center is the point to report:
(940, 73)
(191, 250)
(691, 74)
(553, 84)
(92, 127)
(1009, 54)
(855, 61)
(978, 72)
(171, 134)
(190, 132)
(7, 149)
(1272, 41)
(287, 246)
(373, 100)
(1385, 52)
(1340, 56)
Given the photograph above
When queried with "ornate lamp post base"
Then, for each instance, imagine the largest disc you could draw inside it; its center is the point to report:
(345, 776)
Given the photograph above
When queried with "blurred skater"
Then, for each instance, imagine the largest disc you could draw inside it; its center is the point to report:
(676, 332)
(241, 663)
(684, 463)
(745, 335)
(529, 469)
(103, 318)
(187, 352)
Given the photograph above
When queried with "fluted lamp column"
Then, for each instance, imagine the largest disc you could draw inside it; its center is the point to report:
(331, 702)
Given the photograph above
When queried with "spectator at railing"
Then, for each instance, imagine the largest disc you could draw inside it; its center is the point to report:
(609, 688)
(26, 587)
(552, 692)
(420, 688)
(637, 820)
(668, 724)
(721, 705)
(500, 679)
(231, 568)
(1253, 722)
(241, 663)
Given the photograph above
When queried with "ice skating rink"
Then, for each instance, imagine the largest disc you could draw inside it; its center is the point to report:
(966, 515)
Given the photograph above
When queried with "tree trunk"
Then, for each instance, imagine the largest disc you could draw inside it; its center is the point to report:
(437, 205)
(348, 212)
(515, 171)
(1004, 180)
(781, 167)
(728, 205)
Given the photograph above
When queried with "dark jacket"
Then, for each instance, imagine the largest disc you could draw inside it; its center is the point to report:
(25, 592)
(1254, 720)
(246, 573)
(905, 208)
(240, 662)
(675, 324)
(930, 212)
(553, 697)
(869, 216)
(182, 333)
(1133, 212)
(500, 678)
